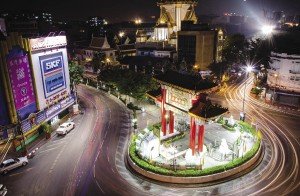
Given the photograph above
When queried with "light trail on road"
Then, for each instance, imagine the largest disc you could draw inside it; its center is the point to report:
(282, 175)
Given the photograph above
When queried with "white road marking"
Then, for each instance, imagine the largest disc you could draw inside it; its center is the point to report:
(40, 152)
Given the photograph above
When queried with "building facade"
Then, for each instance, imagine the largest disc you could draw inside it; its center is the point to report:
(101, 45)
(284, 78)
(197, 48)
(172, 13)
(36, 82)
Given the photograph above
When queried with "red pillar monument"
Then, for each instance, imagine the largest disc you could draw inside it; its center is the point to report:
(171, 122)
(192, 135)
(200, 138)
(163, 112)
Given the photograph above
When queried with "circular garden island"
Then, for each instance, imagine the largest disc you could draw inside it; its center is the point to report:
(228, 148)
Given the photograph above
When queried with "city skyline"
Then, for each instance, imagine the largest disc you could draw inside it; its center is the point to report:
(148, 10)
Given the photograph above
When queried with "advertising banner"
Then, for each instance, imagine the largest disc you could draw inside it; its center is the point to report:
(53, 74)
(21, 82)
(4, 119)
(47, 114)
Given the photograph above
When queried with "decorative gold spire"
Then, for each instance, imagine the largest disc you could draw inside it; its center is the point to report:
(191, 15)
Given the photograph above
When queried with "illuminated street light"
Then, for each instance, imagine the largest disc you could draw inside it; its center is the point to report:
(138, 21)
(121, 34)
(249, 69)
(276, 77)
(267, 29)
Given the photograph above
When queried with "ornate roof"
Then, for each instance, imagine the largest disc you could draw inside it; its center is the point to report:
(191, 15)
(184, 81)
(165, 18)
(206, 110)
(177, 1)
(99, 43)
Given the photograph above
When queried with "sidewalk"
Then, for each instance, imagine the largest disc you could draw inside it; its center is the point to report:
(276, 105)
(37, 143)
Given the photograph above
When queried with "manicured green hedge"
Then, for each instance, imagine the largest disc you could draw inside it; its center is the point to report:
(247, 127)
(256, 90)
(173, 139)
(228, 127)
(131, 106)
(192, 172)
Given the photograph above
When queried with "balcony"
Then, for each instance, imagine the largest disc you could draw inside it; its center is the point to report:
(294, 72)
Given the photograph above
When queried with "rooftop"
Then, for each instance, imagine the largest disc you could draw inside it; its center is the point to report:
(185, 81)
(177, 1)
(206, 110)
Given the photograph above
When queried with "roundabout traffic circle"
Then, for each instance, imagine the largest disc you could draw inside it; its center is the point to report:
(230, 148)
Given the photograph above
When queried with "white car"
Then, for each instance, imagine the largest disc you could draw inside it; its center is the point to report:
(3, 190)
(11, 164)
(65, 128)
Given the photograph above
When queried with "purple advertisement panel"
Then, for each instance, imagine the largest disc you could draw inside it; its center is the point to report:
(21, 82)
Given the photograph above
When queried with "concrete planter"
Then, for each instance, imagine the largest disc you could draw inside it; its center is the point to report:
(200, 179)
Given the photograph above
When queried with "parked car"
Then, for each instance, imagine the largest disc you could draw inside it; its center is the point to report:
(65, 128)
(11, 164)
(3, 190)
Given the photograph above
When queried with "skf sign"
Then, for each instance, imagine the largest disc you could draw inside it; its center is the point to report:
(52, 64)
(47, 42)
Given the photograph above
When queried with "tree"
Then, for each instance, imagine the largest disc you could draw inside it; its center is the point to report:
(97, 62)
(129, 82)
(235, 49)
(260, 52)
(218, 68)
(76, 73)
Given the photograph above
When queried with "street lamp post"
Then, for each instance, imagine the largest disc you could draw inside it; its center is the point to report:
(276, 76)
(248, 70)
(174, 160)
(23, 143)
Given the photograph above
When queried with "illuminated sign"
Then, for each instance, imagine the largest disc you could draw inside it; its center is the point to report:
(47, 114)
(179, 99)
(47, 42)
(53, 74)
(21, 82)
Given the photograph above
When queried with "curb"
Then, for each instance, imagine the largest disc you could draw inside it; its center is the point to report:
(196, 180)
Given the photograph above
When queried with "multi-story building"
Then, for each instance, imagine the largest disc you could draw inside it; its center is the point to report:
(199, 46)
(284, 78)
(34, 84)
(156, 52)
(28, 23)
(96, 21)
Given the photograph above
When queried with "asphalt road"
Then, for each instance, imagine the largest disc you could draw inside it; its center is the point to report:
(90, 159)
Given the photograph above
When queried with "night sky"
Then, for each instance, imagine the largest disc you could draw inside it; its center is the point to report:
(120, 10)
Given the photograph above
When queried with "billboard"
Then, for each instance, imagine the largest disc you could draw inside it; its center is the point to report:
(43, 43)
(21, 82)
(4, 119)
(47, 114)
(51, 73)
